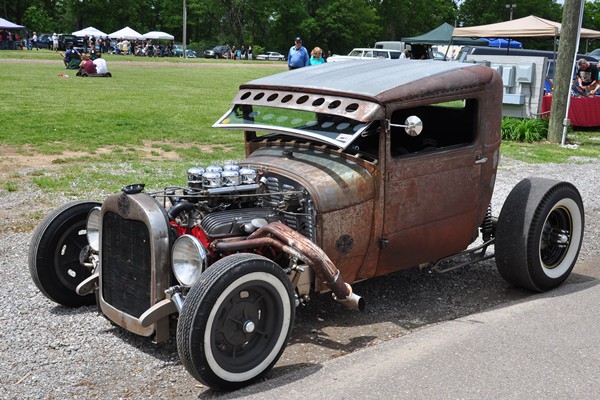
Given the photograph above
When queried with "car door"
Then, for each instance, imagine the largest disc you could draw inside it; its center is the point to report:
(432, 187)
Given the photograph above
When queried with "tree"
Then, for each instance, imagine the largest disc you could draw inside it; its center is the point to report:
(404, 18)
(36, 19)
(564, 68)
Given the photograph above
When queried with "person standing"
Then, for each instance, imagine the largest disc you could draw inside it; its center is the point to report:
(249, 52)
(316, 56)
(34, 41)
(298, 55)
(54, 41)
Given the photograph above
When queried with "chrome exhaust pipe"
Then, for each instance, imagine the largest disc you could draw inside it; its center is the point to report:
(352, 301)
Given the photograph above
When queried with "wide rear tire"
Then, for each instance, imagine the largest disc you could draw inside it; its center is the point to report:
(539, 233)
(236, 321)
(54, 254)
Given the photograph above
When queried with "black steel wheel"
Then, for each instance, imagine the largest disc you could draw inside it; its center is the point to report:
(539, 233)
(54, 254)
(236, 321)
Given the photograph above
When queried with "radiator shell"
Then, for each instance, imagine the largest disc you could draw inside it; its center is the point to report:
(134, 259)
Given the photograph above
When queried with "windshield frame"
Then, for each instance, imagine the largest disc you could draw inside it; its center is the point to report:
(355, 110)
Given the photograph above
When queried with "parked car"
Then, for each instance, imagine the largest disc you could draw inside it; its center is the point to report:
(64, 40)
(221, 51)
(438, 55)
(44, 41)
(178, 51)
(594, 53)
(366, 54)
(271, 56)
(347, 177)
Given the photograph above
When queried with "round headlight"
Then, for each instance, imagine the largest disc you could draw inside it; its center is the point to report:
(92, 229)
(189, 258)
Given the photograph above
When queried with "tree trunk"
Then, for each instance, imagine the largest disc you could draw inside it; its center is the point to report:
(564, 68)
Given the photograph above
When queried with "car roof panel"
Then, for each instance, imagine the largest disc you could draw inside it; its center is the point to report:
(368, 79)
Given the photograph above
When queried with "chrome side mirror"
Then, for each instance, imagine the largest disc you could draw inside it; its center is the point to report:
(413, 125)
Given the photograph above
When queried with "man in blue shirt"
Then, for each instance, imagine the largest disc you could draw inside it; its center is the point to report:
(298, 55)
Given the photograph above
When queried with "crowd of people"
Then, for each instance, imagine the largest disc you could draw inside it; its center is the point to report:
(87, 64)
(10, 40)
(143, 48)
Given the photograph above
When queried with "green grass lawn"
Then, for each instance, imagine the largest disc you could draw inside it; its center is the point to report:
(107, 122)
(148, 123)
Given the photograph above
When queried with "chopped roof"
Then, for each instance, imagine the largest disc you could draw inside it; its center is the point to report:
(361, 78)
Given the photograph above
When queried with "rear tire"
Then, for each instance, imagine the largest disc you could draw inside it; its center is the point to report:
(539, 233)
(236, 321)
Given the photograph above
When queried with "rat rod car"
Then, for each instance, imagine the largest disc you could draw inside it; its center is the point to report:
(353, 170)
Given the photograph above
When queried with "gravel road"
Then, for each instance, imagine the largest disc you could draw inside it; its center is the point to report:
(52, 352)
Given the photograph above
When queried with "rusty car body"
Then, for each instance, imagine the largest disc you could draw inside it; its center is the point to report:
(353, 170)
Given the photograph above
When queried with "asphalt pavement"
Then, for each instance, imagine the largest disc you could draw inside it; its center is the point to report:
(543, 347)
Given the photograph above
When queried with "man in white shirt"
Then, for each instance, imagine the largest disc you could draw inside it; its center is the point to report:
(100, 63)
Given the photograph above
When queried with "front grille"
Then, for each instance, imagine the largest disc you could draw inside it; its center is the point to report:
(126, 264)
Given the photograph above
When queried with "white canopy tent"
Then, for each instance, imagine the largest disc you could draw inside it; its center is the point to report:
(90, 31)
(158, 35)
(6, 24)
(126, 33)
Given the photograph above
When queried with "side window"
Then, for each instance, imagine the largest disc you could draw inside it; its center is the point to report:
(394, 55)
(445, 125)
(368, 54)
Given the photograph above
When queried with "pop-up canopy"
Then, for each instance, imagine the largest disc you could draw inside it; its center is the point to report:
(126, 33)
(90, 31)
(442, 35)
(6, 24)
(158, 35)
(530, 26)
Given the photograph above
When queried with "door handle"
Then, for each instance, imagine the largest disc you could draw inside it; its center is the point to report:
(480, 160)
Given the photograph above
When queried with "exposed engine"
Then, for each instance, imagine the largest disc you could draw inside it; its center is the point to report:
(231, 201)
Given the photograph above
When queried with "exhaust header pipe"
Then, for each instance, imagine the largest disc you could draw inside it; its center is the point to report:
(291, 242)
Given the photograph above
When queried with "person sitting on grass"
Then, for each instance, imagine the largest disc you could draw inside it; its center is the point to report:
(100, 63)
(86, 67)
(71, 58)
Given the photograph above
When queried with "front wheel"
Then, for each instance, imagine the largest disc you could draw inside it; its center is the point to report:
(55, 254)
(539, 233)
(236, 321)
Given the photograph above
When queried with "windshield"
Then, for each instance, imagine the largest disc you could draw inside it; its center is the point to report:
(333, 129)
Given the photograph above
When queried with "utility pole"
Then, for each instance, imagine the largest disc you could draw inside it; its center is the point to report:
(567, 48)
(184, 28)
(511, 7)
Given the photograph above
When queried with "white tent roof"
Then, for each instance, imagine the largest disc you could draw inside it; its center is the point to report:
(158, 35)
(90, 31)
(530, 26)
(126, 33)
(6, 24)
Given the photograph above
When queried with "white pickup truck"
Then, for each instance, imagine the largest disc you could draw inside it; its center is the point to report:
(366, 54)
